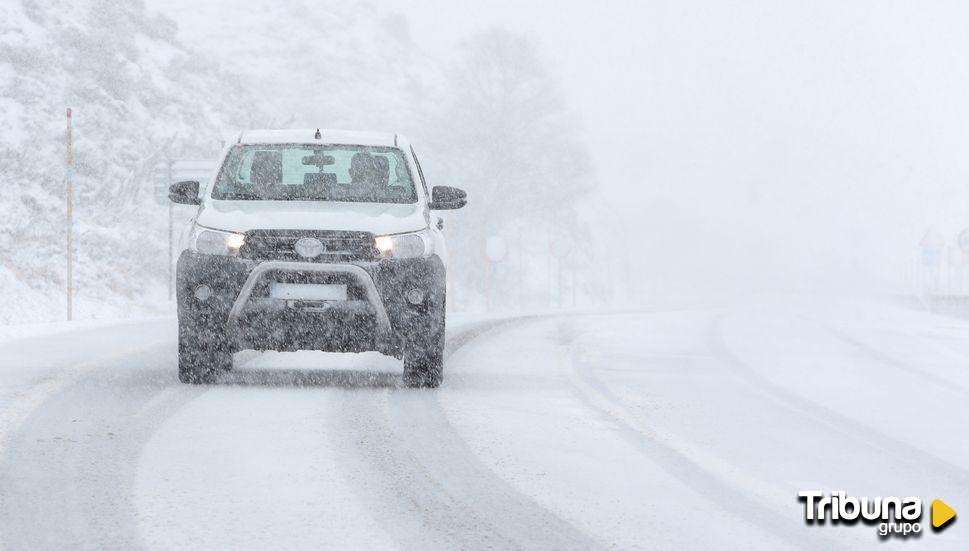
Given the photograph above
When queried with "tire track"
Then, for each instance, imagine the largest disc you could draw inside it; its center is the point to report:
(700, 476)
(68, 474)
(457, 502)
(909, 456)
(26, 402)
(880, 357)
(76, 437)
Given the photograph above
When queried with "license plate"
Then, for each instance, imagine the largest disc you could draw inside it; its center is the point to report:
(307, 291)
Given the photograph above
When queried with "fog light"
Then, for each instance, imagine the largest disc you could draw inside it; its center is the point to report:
(415, 296)
(203, 292)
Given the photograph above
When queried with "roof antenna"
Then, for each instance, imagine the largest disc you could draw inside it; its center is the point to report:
(318, 136)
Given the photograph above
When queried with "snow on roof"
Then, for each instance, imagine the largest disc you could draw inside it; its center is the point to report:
(345, 137)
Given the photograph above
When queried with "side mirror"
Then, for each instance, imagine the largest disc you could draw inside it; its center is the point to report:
(184, 193)
(447, 198)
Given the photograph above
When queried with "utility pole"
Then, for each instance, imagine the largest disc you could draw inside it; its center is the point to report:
(70, 218)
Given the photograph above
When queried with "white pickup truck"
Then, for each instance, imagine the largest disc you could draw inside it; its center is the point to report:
(314, 240)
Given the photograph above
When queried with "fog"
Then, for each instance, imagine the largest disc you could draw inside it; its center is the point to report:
(763, 144)
(626, 153)
(681, 274)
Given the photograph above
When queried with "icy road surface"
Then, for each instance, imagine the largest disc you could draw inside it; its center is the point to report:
(687, 428)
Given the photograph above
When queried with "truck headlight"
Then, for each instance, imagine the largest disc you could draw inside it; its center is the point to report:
(210, 241)
(403, 245)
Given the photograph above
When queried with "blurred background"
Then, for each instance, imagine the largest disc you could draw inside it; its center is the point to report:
(619, 155)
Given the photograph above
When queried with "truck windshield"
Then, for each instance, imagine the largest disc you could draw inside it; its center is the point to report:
(315, 173)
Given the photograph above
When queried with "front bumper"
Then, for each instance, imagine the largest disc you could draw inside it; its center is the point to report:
(377, 316)
(358, 274)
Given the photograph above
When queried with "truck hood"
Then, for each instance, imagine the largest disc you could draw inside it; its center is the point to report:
(377, 218)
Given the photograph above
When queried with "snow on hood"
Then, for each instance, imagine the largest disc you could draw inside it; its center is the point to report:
(377, 218)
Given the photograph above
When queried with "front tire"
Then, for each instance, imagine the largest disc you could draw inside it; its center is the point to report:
(424, 370)
(203, 352)
(424, 355)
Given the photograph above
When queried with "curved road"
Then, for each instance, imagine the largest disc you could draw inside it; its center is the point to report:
(686, 428)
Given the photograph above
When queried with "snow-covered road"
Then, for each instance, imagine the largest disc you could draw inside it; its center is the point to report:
(665, 429)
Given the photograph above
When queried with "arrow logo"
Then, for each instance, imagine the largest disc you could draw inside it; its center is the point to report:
(942, 513)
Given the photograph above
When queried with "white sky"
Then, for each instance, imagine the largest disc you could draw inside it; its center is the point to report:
(592, 52)
(753, 144)
(816, 140)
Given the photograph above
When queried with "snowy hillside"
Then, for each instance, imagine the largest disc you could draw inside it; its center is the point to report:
(314, 64)
(490, 119)
(138, 95)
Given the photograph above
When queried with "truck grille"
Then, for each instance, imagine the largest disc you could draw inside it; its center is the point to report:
(338, 246)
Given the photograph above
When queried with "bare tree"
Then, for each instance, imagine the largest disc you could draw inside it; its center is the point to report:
(507, 136)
